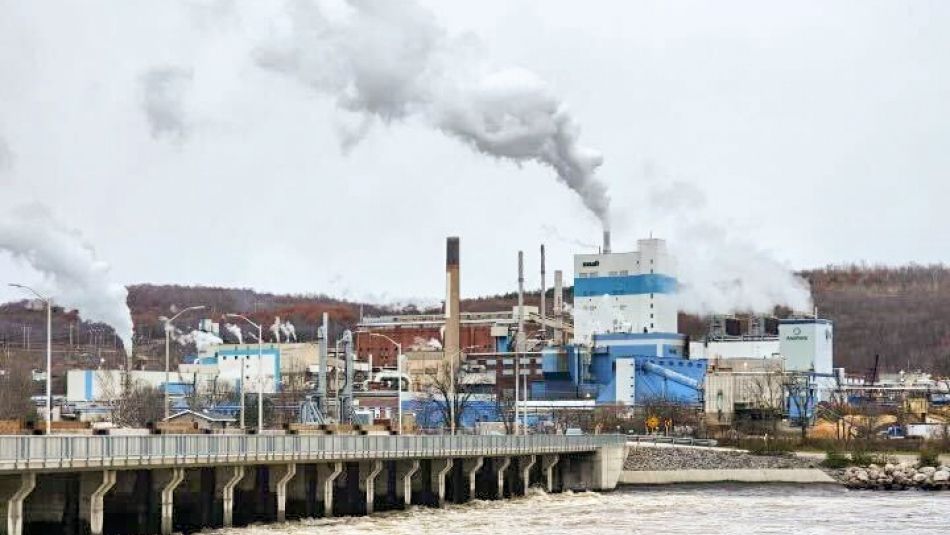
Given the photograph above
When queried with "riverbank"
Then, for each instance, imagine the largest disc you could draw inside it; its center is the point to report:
(651, 465)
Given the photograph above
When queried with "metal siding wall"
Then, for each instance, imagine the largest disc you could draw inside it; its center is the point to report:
(624, 285)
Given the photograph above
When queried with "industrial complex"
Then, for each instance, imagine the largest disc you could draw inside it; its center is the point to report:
(522, 369)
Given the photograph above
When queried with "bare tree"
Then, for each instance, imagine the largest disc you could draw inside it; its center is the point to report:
(445, 396)
(16, 388)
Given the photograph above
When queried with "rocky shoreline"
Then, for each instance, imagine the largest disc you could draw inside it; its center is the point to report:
(650, 459)
(890, 476)
(894, 477)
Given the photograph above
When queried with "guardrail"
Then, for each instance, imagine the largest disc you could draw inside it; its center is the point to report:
(682, 441)
(52, 453)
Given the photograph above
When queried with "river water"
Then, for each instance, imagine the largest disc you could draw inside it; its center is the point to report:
(693, 510)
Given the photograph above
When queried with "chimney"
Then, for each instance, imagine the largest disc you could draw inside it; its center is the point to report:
(452, 300)
(558, 306)
(544, 290)
(606, 242)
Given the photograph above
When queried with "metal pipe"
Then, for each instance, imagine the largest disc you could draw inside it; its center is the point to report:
(323, 334)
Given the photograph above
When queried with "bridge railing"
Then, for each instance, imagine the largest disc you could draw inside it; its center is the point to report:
(52, 452)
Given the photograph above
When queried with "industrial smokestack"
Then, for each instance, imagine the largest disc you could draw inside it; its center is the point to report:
(452, 301)
(558, 307)
(606, 241)
(519, 338)
(544, 290)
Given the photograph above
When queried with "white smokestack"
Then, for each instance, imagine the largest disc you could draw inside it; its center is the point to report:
(606, 241)
(77, 278)
(235, 332)
(392, 61)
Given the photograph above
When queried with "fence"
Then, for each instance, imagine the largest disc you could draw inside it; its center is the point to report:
(66, 452)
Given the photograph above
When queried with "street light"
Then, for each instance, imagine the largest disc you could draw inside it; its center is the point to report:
(49, 354)
(398, 372)
(168, 328)
(260, 374)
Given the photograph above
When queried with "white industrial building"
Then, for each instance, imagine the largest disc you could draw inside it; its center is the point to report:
(628, 292)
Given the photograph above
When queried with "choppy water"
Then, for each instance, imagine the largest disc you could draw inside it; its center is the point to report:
(692, 510)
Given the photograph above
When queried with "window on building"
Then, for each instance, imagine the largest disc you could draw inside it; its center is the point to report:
(651, 325)
(624, 272)
(507, 372)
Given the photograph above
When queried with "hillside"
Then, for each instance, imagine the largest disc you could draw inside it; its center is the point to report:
(901, 313)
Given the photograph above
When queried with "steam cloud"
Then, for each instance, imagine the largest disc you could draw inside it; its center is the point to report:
(163, 92)
(390, 60)
(718, 272)
(275, 329)
(235, 332)
(76, 277)
(202, 340)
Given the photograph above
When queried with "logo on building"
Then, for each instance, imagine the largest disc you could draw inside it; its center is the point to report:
(593, 263)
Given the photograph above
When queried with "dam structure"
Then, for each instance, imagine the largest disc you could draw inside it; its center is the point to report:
(185, 483)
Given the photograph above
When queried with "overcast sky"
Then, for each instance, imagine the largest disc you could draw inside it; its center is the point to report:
(817, 132)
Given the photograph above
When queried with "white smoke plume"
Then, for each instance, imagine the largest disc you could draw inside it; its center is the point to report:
(163, 91)
(290, 332)
(235, 332)
(392, 61)
(719, 272)
(275, 329)
(202, 340)
(75, 276)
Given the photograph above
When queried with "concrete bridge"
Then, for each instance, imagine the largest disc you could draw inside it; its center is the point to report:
(160, 484)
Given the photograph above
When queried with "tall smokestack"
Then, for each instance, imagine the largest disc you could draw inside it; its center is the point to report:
(519, 338)
(452, 301)
(544, 290)
(606, 241)
(558, 304)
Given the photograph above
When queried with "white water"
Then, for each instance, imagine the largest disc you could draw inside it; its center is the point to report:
(693, 510)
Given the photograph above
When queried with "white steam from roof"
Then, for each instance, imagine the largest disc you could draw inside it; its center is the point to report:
(75, 276)
(391, 60)
(235, 332)
(202, 340)
(275, 329)
(289, 331)
(718, 271)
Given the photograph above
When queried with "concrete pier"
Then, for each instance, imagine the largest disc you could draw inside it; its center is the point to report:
(164, 484)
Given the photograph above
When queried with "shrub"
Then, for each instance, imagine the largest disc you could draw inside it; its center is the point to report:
(770, 447)
(835, 459)
(929, 457)
(861, 458)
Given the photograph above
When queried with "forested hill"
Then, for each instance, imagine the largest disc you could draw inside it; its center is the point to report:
(901, 313)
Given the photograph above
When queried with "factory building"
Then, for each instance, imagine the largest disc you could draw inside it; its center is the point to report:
(628, 292)
(627, 348)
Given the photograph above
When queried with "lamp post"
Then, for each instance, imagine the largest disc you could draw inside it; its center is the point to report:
(260, 374)
(49, 354)
(398, 372)
(168, 327)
